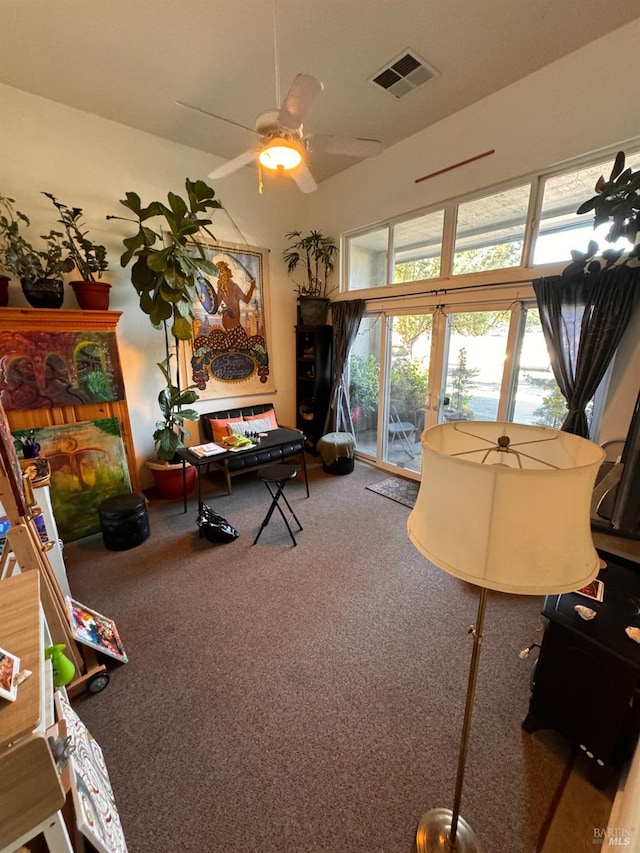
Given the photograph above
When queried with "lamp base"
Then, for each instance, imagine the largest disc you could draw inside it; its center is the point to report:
(434, 830)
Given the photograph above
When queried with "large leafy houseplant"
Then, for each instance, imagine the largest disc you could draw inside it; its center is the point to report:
(168, 258)
(617, 201)
(167, 255)
(170, 431)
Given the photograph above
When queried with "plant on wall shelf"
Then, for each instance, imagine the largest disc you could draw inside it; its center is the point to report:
(316, 254)
(20, 257)
(89, 258)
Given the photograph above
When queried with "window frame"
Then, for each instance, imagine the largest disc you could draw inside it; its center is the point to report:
(526, 271)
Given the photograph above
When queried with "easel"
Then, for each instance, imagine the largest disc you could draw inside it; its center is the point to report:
(25, 548)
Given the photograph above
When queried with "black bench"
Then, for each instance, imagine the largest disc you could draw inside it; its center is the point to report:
(252, 460)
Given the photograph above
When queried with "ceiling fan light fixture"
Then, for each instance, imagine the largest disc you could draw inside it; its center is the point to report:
(280, 153)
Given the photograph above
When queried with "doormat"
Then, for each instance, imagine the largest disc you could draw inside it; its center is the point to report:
(399, 490)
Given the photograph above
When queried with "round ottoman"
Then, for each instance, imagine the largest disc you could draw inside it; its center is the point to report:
(336, 450)
(124, 521)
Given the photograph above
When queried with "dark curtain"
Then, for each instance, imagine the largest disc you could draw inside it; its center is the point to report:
(346, 318)
(583, 318)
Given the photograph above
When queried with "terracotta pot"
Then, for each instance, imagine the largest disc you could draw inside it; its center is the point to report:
(168, 479)
(92, 295)
(4, 290)
(43, 293)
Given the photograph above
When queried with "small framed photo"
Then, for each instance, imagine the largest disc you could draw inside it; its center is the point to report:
(9, 668)
(95, 630)
(593, 590)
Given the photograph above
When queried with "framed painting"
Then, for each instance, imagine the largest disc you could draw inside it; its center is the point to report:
(88, 465)
(229, 354)
(47, 369)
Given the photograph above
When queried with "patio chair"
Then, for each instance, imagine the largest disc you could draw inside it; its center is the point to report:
(401, 431)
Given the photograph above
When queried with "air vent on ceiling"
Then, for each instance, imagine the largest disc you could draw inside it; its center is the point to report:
(404, 74)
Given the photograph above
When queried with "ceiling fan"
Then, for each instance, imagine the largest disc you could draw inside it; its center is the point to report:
(282, 144)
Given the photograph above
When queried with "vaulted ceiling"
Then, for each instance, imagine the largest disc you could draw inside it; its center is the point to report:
(131, 60)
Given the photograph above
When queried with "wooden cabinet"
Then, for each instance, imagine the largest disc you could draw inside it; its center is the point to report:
(314, 347)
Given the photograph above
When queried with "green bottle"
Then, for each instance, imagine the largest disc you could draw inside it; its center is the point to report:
(63, 668)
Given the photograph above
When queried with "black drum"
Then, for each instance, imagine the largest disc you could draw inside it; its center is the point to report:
(124, 521)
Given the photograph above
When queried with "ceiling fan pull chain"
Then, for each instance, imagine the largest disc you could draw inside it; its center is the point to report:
(275, 51)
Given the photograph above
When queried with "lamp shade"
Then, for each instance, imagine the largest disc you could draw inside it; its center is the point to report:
(507, 506)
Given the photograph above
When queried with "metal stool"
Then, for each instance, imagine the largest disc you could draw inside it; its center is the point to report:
(278, 476)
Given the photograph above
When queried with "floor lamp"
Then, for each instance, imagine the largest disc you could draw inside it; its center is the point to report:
(506, 507)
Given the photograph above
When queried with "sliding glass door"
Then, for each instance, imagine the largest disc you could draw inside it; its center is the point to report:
(411, 371)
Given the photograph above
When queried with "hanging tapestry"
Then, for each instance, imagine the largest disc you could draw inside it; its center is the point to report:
(230, 354)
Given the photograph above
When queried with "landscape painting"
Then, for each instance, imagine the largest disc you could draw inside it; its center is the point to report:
(88, 465)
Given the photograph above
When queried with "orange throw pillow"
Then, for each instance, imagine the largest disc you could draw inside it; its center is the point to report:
(219, 426)
(270, 414)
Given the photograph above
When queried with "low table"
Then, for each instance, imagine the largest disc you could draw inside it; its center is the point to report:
(274, 439)
(587, 678)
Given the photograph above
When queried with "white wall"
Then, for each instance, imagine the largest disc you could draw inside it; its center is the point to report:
(91, 163)
(580, 104)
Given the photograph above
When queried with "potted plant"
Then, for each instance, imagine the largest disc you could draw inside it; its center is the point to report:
(89, 259)
(168, 261)
(617, 201)
(169, 435)
(39, 271)
(165, 276)
(316, 253)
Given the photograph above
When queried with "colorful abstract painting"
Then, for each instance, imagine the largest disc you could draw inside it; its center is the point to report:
(95, 630)
(88, 465)
(43, 369)
(230, 355)
(94, 805)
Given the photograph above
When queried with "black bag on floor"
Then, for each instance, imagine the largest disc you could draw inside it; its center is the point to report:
(214, 527)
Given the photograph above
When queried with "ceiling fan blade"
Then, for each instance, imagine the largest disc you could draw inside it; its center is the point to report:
(303, 92)
(303, 178)
(233, 165)
(349, 146)
(213, 115)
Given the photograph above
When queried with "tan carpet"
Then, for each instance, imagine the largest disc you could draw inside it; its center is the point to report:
(309, 699)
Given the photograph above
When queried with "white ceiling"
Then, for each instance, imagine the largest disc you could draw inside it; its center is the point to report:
(130, 60)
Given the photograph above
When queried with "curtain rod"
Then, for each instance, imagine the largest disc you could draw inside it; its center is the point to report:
(446, 290)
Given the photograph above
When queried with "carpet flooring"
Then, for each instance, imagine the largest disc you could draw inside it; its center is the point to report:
(308, 698)
(397, 489)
